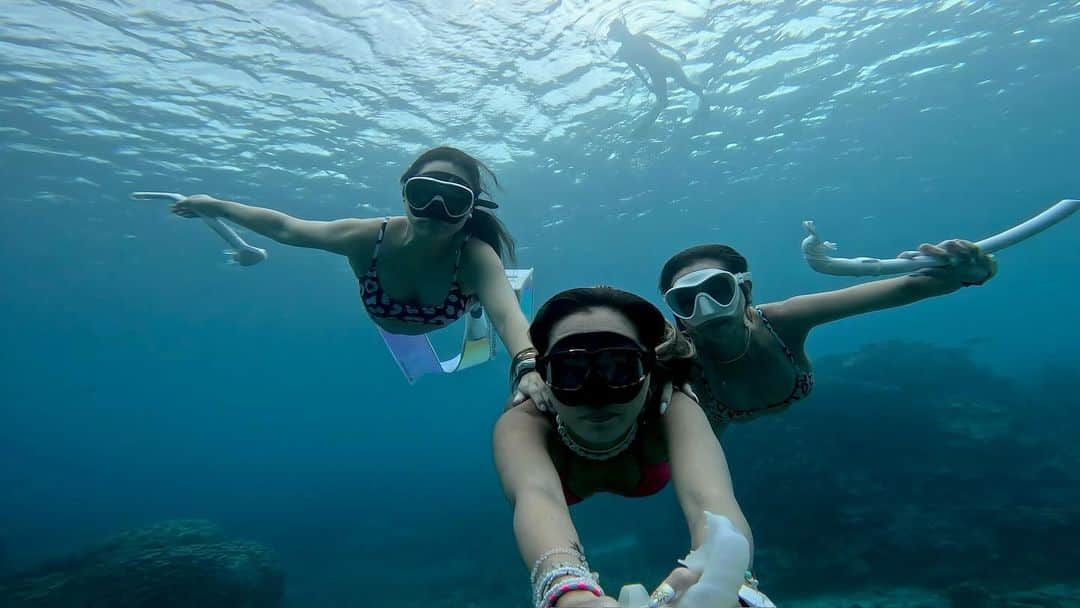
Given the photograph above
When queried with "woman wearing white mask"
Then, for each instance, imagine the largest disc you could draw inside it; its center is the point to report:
(751, 360)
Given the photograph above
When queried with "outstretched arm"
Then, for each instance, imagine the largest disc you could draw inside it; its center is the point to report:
(485, 274)
(702, 483)
(542, 525)
(344, 236)
(966, 266)
(699, 470)
(483, 271)
(662, 45)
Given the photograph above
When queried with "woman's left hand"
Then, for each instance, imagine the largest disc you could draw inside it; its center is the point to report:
(674, 586)
(964, 265)
(532, 386)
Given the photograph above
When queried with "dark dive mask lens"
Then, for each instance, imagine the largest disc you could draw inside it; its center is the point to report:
(600, 368)
(438, 196)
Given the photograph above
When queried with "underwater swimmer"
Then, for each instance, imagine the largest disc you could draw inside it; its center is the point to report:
(751, 360)
(418, 272)
(608, 357)
(640, 51)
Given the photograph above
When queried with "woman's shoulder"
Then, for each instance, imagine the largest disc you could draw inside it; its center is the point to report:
(363, 233)
(478, 250)
(684, 407)
(789, 329)
(479, 263)
(523, 416)
(368, 228)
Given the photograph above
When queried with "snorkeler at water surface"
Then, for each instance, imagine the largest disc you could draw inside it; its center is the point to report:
(639, 51)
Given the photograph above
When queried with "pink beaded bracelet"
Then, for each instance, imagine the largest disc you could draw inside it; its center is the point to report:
(577, 584)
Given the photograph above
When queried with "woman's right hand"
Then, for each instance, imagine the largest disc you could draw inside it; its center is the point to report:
(200, 205)
(673, 587)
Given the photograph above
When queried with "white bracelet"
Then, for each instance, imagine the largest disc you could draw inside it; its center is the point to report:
(541, 589)
(557, 551)
(519, 370)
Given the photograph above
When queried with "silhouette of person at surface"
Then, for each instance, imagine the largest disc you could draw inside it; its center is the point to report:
(640, 51)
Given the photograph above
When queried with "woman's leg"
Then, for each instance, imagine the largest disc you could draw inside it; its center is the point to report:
(686, 83)
(658, 86)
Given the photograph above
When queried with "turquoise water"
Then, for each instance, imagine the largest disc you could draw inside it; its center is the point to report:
(145, 379)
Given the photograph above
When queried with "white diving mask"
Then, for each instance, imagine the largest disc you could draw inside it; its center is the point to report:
(708, 294)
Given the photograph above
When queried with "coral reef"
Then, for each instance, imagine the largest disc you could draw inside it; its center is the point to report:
(173, 564)
(913, 466)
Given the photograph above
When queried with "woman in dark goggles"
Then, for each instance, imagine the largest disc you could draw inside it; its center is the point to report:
(614, 426)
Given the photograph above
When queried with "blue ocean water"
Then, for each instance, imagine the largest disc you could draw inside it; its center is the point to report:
(144, 379)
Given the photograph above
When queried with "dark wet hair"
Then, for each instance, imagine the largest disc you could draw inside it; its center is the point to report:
(673, 351)
(483, 224)
(729, 259)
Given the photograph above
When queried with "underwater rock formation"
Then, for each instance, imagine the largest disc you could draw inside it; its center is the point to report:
(911, 465)
(174, 564)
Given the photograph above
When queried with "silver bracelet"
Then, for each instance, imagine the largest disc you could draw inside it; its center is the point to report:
(541, 590)
(521, 368)
(556, 551)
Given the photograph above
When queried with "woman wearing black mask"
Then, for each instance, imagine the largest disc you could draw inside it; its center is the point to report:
(606, 357)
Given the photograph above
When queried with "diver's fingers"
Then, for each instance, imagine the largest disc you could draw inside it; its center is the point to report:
(183, 210)
(952, 247)
(970, 251)
(968, 246)
(665, 396)
(934, 250)
(937, 273)
(689, 391)
(664, 595)
(673, 587)
(543, 397)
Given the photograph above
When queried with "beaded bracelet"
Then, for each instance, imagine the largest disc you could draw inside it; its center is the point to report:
(541, 589)
(577, 567)
(523, 363)
(556, 551)
(575, 584)
(523, 367)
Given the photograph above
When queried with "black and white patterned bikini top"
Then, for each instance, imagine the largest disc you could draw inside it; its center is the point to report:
(380, 305)
(721, 413)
